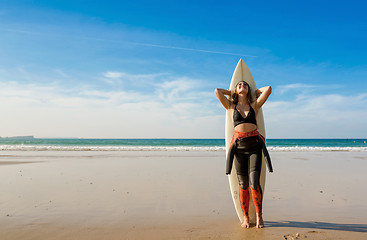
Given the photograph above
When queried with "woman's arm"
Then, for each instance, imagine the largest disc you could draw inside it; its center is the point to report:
(220, 93)
(262, 94)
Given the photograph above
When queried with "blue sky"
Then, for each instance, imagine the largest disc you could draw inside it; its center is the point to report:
(148, 69)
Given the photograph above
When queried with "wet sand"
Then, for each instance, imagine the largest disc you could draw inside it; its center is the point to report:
(176, 195)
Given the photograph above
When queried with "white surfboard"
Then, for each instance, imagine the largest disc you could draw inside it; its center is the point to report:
(242, 73)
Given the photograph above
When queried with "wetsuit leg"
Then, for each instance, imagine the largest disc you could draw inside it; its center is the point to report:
(255, 161)
(245, 200)
(242, 163)
(257, 198)
(242, 167)
(255, 169)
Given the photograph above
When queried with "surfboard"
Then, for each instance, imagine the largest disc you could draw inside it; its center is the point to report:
(242, 73)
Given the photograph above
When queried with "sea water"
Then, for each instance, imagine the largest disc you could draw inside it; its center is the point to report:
(81, 144)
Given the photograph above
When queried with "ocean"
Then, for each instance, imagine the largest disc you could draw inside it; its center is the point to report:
(81, 144)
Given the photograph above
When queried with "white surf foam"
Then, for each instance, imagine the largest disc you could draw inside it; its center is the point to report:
(170, 148)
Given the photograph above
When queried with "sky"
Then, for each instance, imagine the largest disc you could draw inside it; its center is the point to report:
(148, 69)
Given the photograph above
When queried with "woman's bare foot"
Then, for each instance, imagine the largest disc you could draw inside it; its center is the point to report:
(246, 222)
(259, 220)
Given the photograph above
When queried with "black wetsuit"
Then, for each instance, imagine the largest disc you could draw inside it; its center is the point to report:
(248, 153)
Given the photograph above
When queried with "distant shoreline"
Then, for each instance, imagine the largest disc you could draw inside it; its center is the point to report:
(18, 137)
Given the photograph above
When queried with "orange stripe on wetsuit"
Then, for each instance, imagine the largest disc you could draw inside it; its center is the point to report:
(238, 135)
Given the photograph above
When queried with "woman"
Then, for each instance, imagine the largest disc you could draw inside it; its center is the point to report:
(249, 145)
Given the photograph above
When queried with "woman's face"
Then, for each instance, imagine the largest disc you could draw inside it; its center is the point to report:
(242, 87)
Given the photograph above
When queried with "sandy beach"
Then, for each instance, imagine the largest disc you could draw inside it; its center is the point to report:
(176, 195)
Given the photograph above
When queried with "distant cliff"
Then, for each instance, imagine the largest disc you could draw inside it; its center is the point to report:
(18, 137)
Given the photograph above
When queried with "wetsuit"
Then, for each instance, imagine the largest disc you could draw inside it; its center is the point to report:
(247, 148)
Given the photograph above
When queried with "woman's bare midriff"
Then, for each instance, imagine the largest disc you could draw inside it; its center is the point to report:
(245, 127)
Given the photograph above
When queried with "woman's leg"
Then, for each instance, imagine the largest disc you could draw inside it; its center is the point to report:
(254, 173)
(242, 174)
(245, 200)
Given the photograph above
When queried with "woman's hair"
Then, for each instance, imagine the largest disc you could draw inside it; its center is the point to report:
(234, 97)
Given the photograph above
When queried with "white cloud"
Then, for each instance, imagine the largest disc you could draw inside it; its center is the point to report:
(56, 111)
(113, 75)
(178, 89)
(323, 116)
(173, 107)
(296, 86)
(118, 77)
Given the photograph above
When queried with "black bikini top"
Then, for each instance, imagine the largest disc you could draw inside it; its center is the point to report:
(238, 119)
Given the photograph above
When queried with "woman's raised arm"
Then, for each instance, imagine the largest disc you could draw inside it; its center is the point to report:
(262, 94)
(220, 93)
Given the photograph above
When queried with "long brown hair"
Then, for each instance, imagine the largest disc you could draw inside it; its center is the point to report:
(234, 97)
